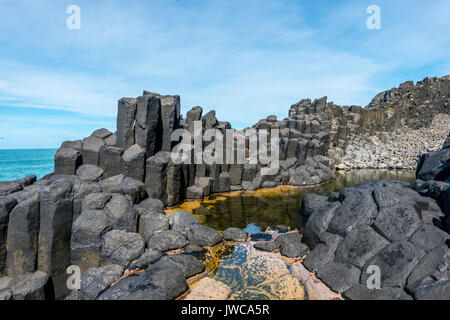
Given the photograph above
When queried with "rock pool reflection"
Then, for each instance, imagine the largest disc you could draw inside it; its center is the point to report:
(279, 206)
(252, 274)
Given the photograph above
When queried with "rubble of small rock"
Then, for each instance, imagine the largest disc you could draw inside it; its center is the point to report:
(102, 208)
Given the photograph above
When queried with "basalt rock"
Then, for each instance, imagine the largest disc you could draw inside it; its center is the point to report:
(393, 232)
(30, 286)
(121, 247)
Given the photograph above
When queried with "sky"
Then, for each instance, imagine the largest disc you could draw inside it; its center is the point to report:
(246, 59)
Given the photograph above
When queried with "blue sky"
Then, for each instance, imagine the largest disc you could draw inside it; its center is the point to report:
(245, 58)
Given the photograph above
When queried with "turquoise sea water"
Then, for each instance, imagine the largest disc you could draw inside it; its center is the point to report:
(18, 163)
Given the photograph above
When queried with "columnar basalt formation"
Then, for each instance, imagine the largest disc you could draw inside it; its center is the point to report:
(108, 193)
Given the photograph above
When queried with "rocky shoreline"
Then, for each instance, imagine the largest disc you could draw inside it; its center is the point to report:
(102, 210)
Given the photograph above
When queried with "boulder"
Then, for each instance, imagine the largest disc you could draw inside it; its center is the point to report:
(95, 280)
(110, 160)
(121, 247)
(188, 264)
(181, 221)
(360, 244)
(7, 203)
(133, 163)
(361, 292)
(148, 125)
(396, 261)
(91, 150)
(77, 145)
(149, 205)
(148, 258)
(55, 230)
(323, 252)
(338, 276)
(87, 234)
(156, 176)
(202, 235)
(446, 143)
(224, 182)
(101, 133)
(397, 222)
(167, 240)
(235, 234)
(125, 186)
(290, 245)
(126, 122)
(90, 173)
(133, 288)
(22, 241)
(67, 160)
(30, 286)
(152, 223)
(430, 279)
(95, 201)
(434, 166)
(268, 246)
(121, 214)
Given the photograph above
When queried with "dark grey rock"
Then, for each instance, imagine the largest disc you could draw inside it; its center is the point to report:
(446, 143)
(55, 230)
(318, 222)
(87, 234)
(358, 207)
(174, 184)
(224, 182)
(22, 241)
(323, 252)
(129, 289)
(434, 166)
(77, 145)
(7, 203)
(269, 246)
(170, 280)
(361, 292)
(67, 160)
(110, 160)
(397, 222)
(125, 122)
(181, 221)
(121, 214)
(133, 163)
(148, 126)
(396, 261)
(30, 286)
(156, 176)
(90, 173)
(95, 280)
(428, 237)
(235, 234)
(91, 150)
(311, 203)
(431, 276)
(203, 236)
(187, 263)
(126, 186)
(95, 201)
(121, 247)
(359, 245)
(291, 245)
(101, 133)
(338, 276)
(148, 258)
(149, 205)
(152, 223)
(167, 240)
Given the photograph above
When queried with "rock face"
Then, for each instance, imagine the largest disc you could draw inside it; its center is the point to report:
(104, 204)
(381, 224)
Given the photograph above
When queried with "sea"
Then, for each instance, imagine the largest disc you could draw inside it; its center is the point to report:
(19, 163)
